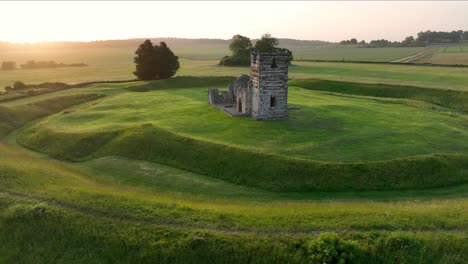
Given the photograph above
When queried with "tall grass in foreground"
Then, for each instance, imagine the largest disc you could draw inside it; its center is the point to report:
(42, 234)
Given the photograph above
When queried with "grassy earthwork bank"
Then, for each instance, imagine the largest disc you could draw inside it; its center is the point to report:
(330, 142)
(149, 172)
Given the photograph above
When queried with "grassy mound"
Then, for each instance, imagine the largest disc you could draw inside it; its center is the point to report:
(56, 214)
(448, 98)
(321, 127)
(331, 143)
(16, 116)
(270, 172)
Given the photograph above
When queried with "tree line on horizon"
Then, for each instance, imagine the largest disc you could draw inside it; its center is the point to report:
(423, 39)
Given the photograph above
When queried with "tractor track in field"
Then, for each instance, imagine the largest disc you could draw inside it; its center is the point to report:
(181, 226)
(417, 56)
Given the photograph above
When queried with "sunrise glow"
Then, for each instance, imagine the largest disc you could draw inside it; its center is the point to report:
(332, 21)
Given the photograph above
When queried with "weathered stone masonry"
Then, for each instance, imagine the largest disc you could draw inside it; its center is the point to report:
(263, 95)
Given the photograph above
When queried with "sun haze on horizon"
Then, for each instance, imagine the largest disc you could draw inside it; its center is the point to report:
(330, 21)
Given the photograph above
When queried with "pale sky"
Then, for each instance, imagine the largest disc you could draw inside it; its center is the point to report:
(331, 21)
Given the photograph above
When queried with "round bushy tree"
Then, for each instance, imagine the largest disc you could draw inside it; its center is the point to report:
(155, 62)
(270, 44)
(169, 63)
(267, 43)
(240, 47)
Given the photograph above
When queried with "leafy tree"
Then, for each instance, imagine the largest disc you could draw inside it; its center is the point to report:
(267, 43)
(351, 41)
(408, 41)
(240, 46)
(290, 55)
(168, 62)
(428, 36)
(155, 62)
(146, 61)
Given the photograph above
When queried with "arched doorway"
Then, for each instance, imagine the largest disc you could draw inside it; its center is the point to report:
(239, 105)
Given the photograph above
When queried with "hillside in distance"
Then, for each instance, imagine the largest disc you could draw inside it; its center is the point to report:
(215, 49)
(202, 48)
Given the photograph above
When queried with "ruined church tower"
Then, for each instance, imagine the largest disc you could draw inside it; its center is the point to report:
(269, 81)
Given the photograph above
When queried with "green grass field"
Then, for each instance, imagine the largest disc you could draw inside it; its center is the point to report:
(352, 53)
(201, 60)
(325, 127)
(132, 207)
(432, 77)
(149, 172)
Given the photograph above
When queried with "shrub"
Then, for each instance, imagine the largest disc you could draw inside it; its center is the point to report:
(329, 248)
(19, 86)
(235, 61)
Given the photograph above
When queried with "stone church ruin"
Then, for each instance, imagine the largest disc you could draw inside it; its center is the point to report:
(263, 95)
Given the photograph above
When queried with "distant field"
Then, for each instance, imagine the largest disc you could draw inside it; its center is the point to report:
(352, 53)
(117, 65)
(454, 54)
